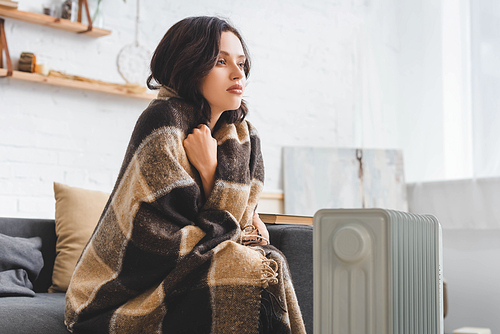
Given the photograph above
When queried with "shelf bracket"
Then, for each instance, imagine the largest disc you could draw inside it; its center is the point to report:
(82, 3)
(3, 46)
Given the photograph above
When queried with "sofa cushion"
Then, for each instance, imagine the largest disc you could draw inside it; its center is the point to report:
(20, 263)
(295, 242)
(77, 213)
(43, 313)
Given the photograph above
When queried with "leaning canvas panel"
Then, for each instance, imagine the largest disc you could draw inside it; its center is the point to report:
(316, 178)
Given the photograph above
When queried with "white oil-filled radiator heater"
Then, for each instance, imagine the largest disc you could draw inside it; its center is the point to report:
(377, 272)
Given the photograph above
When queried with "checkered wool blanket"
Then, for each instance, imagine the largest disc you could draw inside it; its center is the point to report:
(161, 260)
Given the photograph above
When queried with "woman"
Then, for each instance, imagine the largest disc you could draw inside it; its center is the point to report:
(179, 247)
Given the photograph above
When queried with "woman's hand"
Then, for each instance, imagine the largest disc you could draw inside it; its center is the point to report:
(260, 236)
(259, 225)
(201, 150)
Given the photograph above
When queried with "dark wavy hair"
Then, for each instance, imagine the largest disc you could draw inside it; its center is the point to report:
(186, 54)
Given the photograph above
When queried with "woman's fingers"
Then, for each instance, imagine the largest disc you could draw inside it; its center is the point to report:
(201, 150)
(260, 236)
(203, 129)
(259, 224)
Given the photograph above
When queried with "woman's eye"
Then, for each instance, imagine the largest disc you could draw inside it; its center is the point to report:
(221, 62)
(242, 65)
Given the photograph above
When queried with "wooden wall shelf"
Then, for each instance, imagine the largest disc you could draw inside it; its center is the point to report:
(52, 22)
(94, 87)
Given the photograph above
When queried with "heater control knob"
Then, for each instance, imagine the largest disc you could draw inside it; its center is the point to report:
(351, 243)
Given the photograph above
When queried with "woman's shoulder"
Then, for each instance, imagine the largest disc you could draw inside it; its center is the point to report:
(252, 130)
(241, 132)
(171, 112)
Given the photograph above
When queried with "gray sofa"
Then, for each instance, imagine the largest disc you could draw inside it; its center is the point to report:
(44, 313)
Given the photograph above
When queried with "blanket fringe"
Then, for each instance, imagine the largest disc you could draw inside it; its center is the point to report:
(269, 273)
(250, 239)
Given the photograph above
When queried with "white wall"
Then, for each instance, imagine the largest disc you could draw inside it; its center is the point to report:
(323, 75)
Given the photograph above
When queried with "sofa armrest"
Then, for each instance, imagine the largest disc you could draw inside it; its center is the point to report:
(295, 242)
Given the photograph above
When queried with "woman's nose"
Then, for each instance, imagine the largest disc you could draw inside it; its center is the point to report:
(237, 72)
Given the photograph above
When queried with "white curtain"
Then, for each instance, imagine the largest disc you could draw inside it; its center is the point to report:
(468, 195)
(485, 87)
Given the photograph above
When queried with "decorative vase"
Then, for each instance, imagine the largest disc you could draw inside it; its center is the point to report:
(98, 17)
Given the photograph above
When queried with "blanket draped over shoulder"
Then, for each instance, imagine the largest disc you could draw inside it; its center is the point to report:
(164, 260)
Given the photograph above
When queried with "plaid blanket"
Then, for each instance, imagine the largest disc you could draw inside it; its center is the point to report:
(163, 260)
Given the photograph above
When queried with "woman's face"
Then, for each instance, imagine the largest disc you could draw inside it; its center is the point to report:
(224, 85)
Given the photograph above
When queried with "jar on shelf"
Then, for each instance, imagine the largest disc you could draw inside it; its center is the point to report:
(69, 10)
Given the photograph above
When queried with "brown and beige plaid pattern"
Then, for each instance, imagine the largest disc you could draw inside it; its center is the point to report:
(161, 260)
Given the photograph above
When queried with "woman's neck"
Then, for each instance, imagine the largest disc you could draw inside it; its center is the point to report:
(214, 117)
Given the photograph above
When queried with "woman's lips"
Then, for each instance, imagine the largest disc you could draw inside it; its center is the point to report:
(235, 89)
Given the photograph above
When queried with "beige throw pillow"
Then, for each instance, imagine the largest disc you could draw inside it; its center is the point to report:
(77, 213)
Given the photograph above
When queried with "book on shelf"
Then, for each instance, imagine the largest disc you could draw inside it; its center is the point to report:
(8, 4)
(285, 219)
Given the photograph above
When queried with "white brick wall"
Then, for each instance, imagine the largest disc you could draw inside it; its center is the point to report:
(323, 74)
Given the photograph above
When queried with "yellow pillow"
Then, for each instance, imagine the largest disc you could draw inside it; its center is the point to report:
(77, 213)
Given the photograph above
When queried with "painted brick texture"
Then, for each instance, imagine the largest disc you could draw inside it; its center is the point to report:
(322, 75)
